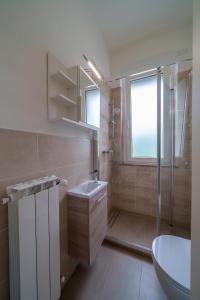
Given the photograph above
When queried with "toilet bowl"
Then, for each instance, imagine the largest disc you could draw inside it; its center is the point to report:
(171, 259)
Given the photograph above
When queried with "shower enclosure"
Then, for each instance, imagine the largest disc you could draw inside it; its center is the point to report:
(174, 168)
(153, 198)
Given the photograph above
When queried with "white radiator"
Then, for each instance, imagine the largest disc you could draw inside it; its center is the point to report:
(34, 240)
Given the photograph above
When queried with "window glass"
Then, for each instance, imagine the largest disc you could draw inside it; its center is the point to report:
(180, 117)
(144, 117)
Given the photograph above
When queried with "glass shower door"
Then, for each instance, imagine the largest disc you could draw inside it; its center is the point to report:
(175, 168)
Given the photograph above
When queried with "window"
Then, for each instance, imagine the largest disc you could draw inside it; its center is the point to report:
(92, 107)
(141, 108)
(181, 112)
(144, 117)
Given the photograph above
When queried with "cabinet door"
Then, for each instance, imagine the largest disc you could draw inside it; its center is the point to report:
(98, 223)
(78, 228)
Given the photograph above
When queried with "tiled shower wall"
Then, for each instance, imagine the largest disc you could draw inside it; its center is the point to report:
(134, 187)
(104, 139)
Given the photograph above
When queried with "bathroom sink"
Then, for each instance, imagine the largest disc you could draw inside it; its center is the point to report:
(87, 189)
(91, 186)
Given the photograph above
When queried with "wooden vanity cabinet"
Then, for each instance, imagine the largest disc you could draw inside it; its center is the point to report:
(87, 225)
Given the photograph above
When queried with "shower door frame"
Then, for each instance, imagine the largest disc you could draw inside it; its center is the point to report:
(172, 148)
(159, 185)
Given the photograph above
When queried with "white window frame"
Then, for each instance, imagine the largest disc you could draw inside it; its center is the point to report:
(127, 134)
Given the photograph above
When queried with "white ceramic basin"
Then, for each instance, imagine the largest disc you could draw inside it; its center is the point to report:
(87, 189)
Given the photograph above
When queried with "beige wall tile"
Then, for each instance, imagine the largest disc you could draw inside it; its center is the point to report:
(55, 152)
(18, 153)
(146, 177)
(74, 173)
(23, 158)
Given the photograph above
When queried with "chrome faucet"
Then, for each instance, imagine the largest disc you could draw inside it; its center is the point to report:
(95, 175)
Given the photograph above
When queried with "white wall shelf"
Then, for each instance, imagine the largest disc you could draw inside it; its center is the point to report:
(63, 77)
(65, 91)
(62, 90)
(80, 124)
(64, 100)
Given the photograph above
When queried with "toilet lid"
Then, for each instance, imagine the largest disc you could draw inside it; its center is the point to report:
(173, 255)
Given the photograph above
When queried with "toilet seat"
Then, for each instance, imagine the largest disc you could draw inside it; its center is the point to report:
(172, 256)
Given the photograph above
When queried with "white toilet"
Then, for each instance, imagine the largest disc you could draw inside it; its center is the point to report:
(171, 258)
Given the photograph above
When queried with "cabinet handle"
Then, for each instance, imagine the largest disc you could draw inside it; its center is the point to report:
(102, 197)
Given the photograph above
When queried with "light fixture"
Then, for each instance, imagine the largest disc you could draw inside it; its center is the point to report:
(90, 64)
(143, 72)
(89, 77)
(93, 68)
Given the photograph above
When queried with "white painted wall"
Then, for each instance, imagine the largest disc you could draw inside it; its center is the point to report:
(157, 50)
(28, 29)
(196, 155)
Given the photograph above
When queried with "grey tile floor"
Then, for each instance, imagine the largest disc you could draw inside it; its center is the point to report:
(115, 274)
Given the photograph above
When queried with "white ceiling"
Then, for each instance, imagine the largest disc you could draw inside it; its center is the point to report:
(124, 21)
